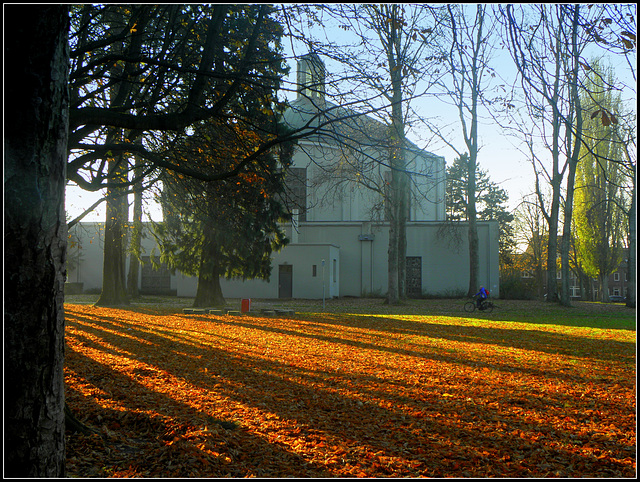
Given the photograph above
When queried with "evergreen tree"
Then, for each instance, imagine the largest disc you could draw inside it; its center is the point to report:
(230, 227)
(225, 228)
(490, 201)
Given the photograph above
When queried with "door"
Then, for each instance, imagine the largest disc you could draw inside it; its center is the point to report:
(414, 276)
(155, 281)
(285, 281)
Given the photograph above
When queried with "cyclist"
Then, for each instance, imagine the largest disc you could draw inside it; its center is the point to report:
(481, 295)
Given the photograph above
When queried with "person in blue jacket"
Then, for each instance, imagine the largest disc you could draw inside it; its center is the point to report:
(482, 295)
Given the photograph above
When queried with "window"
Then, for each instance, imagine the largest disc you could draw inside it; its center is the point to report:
(297, 195)
(314, 270)
(526, 274)
(616, 276)
(559, 274)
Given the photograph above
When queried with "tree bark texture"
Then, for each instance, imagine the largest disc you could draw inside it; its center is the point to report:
(114, 284)
(397, 223)
(36, 49)
(209, 292)
(136, 240)
(631, 263)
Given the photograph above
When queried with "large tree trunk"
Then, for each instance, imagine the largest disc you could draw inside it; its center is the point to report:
(209, 291)
(136, 237)
(37, 52)
(472, 215)
(631, 262)
(114, 291)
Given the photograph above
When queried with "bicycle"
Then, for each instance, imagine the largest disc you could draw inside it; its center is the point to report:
(486, 306)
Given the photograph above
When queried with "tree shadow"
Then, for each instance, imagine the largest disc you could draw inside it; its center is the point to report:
(161, 425)
(361, 413)
(538, 340)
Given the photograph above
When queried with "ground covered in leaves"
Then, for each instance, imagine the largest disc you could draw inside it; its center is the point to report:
(351, 393)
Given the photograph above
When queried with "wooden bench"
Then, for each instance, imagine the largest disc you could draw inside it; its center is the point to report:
(195, 311)
(285, 312)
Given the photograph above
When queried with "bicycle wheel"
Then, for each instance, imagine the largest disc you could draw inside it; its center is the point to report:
(469, 306)
(488, 307)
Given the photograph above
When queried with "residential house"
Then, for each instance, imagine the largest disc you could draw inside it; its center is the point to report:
(617, 283)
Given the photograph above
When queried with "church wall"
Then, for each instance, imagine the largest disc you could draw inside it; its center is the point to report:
(446, 259)
(307, 282)
(355, 202)
(360, 267)
(84, 265)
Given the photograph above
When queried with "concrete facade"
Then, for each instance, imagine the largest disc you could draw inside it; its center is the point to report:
(354, 254)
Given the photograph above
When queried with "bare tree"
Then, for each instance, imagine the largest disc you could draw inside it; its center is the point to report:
(574, 141)
(531, 234)
(383, 67)
(468, 35)
(546, 47)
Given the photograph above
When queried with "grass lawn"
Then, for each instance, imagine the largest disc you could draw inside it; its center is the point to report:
(359, 389)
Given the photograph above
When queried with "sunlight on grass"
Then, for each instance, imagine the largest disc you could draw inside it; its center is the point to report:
(326, 395)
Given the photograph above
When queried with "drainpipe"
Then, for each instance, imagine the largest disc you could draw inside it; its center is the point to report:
(294, 226)
(323, 285)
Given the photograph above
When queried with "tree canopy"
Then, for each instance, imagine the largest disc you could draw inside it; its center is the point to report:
(143, 77)
(174, 66)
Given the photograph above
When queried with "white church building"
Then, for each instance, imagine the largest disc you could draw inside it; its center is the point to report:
(339, 235)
